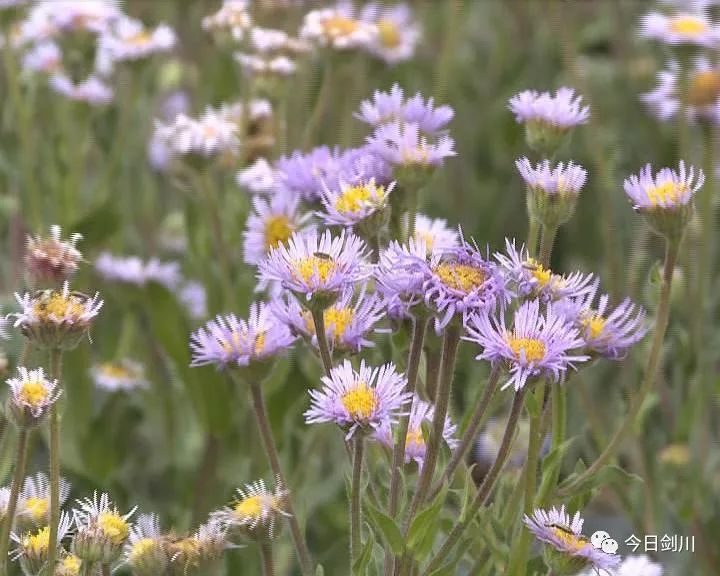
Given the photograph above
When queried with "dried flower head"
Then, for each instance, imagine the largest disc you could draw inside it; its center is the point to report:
(52, 259)
(101, 529)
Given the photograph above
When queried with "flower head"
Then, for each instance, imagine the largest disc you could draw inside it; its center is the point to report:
(128, 39)
(415, 442)
(358, 400)
(681, 29)
(397, 31)
(146, 550)
(348, 321)
(34, 502)
(536, 346)
(338, 28)
(258, 178)
(31, 396)
(354, 205)
(317, 268)
(134, 270)
(530, 279)
(665, 198)
(567, 550)
(305, 174)
(404, 145)
(194, 554)
(256, 510)
(271, 224)
(435, 233)
(68, 565)
(124, 374)
(400, 276)
(211, 135)
(392, 106)
(607, 332)
(101, 529)
(229, 340)
(562, 180)
(52, 258)
(32, 547)
(233, 18)
(92, 90)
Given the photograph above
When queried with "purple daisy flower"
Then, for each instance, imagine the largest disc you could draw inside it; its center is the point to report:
(404, 144)
(459, 281)
(386, 107)
(353, 203)
(304, 174)
(564, 535)
(562, 111)
(361, 164)
(398, 277)
(348, 321)
(361, 399)
(681, 28)
(421, 413)
(537, 346)
(607, 332)
(668, 189)
(271, 223)
(560, 180)
(230, 340)
(308, 263)
(529, 279)
(436, 233)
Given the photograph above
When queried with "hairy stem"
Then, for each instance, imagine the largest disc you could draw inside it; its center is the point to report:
(18, 477)
(318, 317)
(546, 244)
(268, 568)
(533, 234)
(268, 441)
(355, 535)
(55, 374)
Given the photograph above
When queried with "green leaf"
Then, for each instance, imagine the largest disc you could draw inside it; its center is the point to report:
(319, 571)
(532, 405)
(425, 525)
(386, 528)
(361, 563)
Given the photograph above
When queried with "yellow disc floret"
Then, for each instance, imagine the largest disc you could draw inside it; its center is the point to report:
(532, 348)
(688, 25)
(338, 26)
(114, 527)
(141, 548)
(360, 402)
(354, 198)
(277, 231)
(389, 33)
(339, 319)
(37, 544)
(316, 266)
(36, 508)
(58, 305)
(594, 324)
(415, 438)
(666, 193)
(71, 564)
(251, 507)
(33, 393)
(569, 539)
(704, 88)
(460, 276)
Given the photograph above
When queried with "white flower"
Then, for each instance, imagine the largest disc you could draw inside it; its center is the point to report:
(259, 178)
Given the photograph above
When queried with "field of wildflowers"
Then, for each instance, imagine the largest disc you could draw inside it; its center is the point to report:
(420, 288)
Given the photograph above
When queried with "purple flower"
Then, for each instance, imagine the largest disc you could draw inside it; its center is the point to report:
(421, 413)
(387, 107)
(133, 270)
(459, 281)
(361, 399)
(435, 233)
(348, 321)
(271, 223)
(668, 189)
(309, 263)
(556, 528)
(398, 32)
(606, 332)
(399, 278)
(528, 278)
(562, 111)
(562, 179)
(537, 346)
(403, 144)
(230, 340)
(304, 174)
(352, 204)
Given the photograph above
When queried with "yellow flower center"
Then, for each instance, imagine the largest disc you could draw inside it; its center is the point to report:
(356, 197)
(71, 564)
(415, 438)
(667, 193)
(533, 348)
(360, 402)
(594, 324)
(417, 155)
(688, 25)
(389, 33)
(676, 455)
(188, 548)
(339, 319)
(569, 539)
(33, 393)
(250, 507)
(36, 508)
(141, 548)
(238, 340)
(115, 370)
(428, 238)
(460, 276)
(277, 231)
(37, 544)
(339, 26)
(704, 88)
(114, 527)
(140, 39)
(59, 306)
(541, 274)
(319, 266)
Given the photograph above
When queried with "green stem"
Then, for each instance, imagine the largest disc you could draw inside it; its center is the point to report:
(653, 363)
(18, 477)
(533, 234)
(519, 551)
(546, 244)
(263, 424)
(318, 317)
(470, 434)
(55, 374)
(268, 568)
(355, 535)
(320, 104)
(106, 570)
(485, 488)
(559, 426)
(442, 401)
